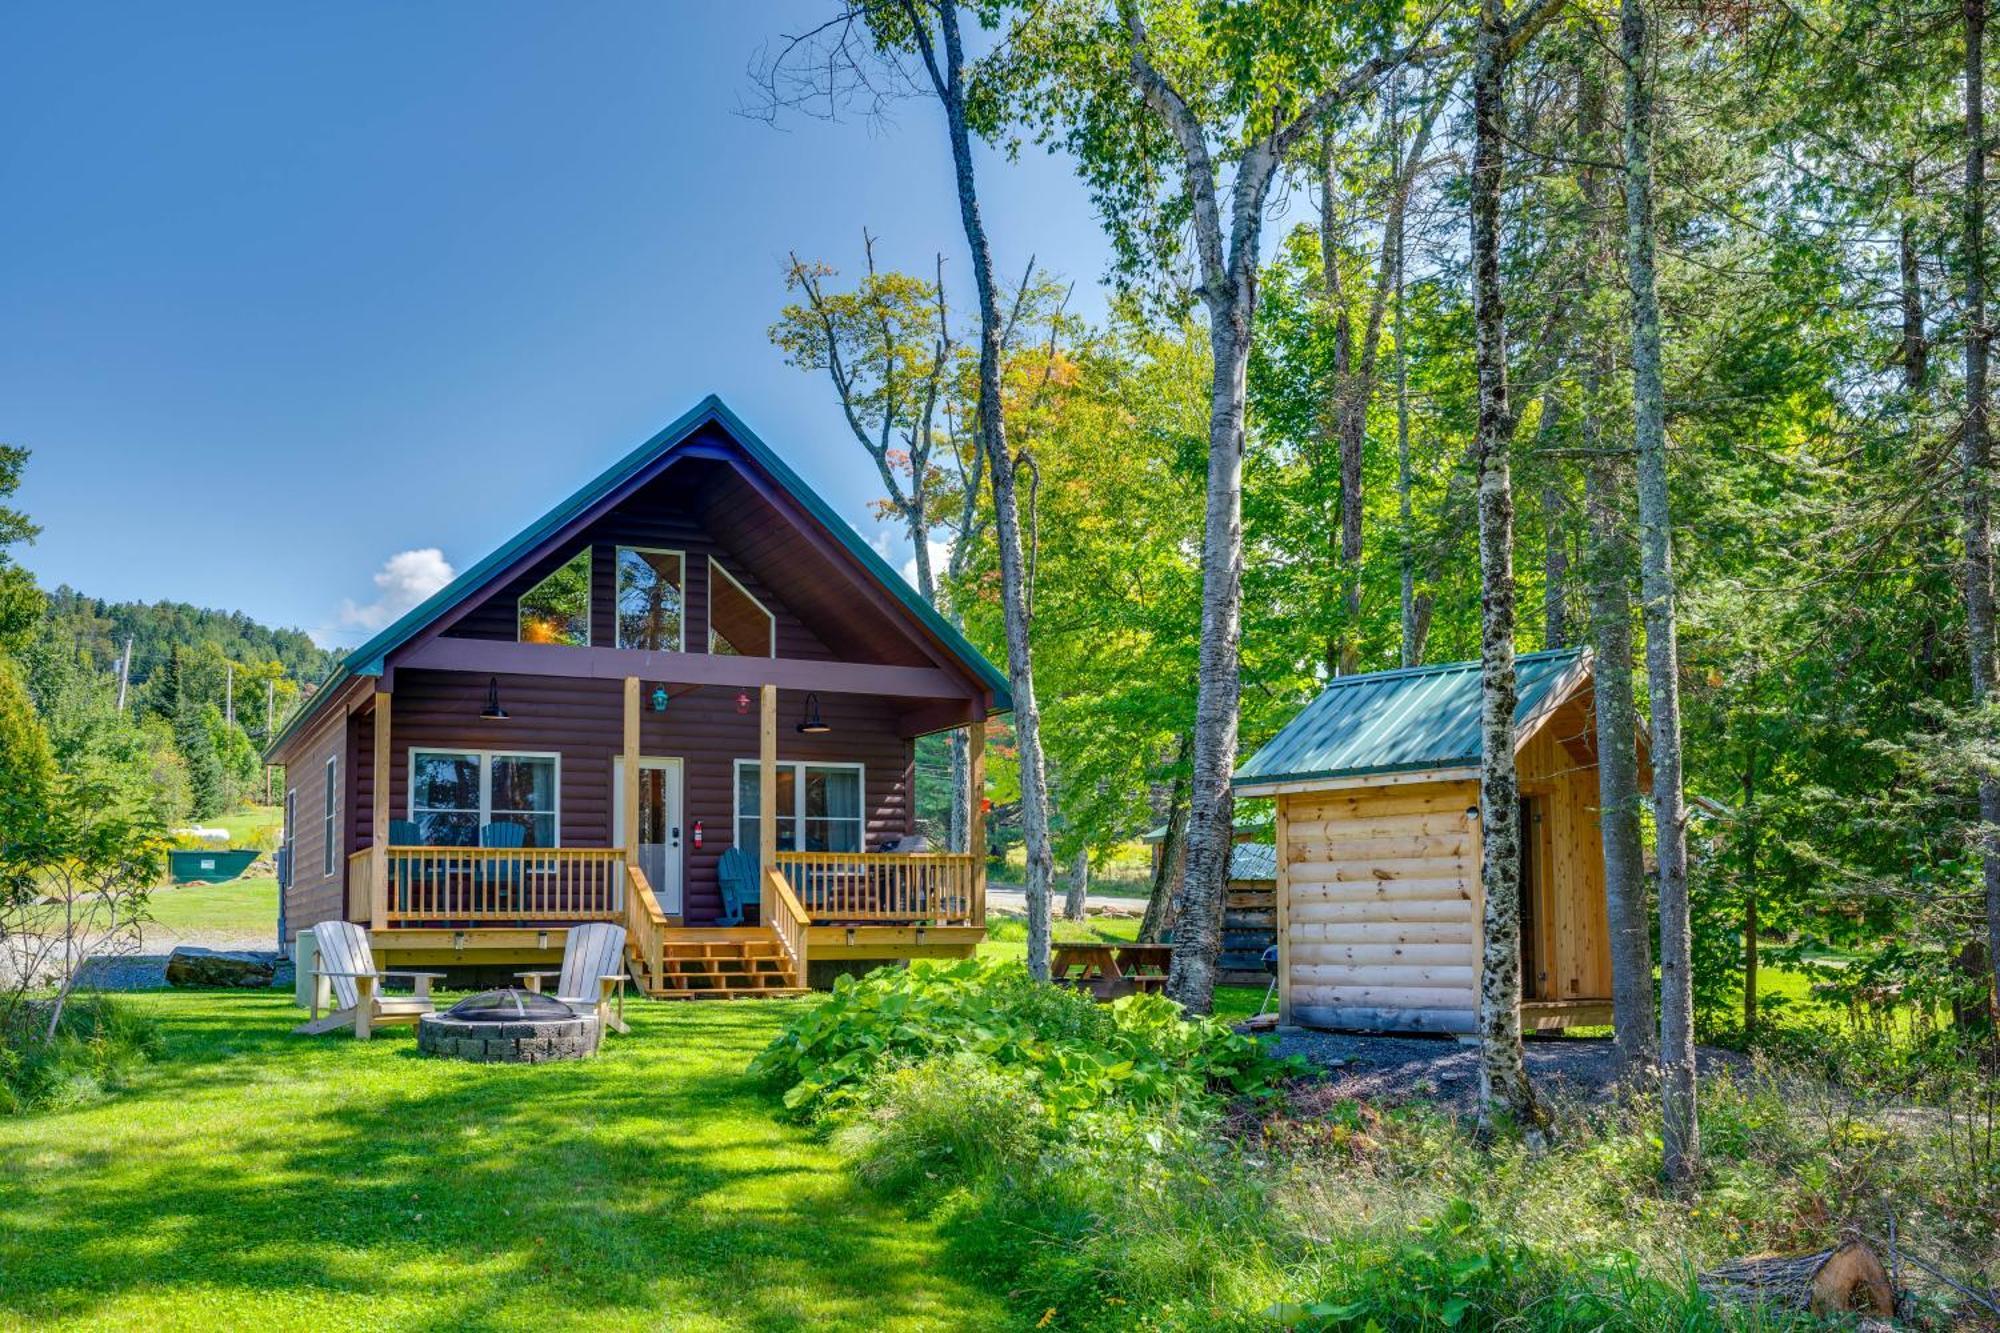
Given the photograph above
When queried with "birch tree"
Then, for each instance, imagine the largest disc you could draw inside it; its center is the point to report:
(1681, 1132)
(1503, 1072)
(1212, 98)
(867, 53)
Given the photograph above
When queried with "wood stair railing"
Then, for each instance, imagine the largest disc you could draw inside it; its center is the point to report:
(668, 963)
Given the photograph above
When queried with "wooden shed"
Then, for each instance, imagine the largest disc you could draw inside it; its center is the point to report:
(1379, 909)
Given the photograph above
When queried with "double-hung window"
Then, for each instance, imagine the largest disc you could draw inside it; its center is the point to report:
(291, 841)
(455, 794)
(329, 854)
(818, 808)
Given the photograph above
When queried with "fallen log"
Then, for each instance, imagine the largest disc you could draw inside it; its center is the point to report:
(1848, 1279)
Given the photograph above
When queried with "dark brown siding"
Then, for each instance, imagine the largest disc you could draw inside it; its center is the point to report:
(583, 721)
(314, 897)
(706, 511)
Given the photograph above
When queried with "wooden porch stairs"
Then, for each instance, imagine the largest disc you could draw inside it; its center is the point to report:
(738, 963)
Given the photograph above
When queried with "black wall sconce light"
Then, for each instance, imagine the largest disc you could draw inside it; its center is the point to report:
(493, 712)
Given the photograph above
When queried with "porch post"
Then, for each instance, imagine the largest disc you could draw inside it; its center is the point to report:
(378, 840)
(975, 836)
(767, 795)
(629, 799)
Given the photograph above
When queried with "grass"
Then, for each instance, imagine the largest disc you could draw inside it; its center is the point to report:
(244, 908)
(246, 823)
(252, 1177)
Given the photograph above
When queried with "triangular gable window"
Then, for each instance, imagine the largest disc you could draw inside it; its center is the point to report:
(557, 610)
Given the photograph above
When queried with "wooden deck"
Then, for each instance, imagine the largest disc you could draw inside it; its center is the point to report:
(446, 906)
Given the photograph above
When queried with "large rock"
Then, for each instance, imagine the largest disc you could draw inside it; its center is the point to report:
(189, 966)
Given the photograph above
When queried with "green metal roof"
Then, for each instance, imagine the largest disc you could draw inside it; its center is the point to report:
(1403, 721)
(370, 658)
(1253, 860)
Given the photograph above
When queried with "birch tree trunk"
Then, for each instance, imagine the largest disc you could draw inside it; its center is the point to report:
(1607, 483)
(948, 81)
(1211, 806)
(1167, 872)
(1680, 1127)
(1079, 885)
(1503, 1071)
(1976, 462)
(1410, 653)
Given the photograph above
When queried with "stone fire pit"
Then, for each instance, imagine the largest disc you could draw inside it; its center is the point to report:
(512, 1026)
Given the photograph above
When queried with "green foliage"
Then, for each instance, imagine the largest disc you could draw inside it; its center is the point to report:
(27, 769)
(20, 600)
(98, 1045)
(1074, 1054)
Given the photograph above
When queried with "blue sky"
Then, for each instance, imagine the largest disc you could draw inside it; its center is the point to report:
(287, 290)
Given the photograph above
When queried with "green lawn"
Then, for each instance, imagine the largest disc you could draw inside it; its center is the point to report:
(247, 823)
(250, 1178)
(241, 907)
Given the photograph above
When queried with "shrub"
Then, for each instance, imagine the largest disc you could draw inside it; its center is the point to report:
(1075, 1054)
(97, 1045)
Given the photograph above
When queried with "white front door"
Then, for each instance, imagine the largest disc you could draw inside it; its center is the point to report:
(659, 825)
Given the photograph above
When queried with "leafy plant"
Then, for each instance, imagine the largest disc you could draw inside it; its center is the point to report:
(1074, 1053)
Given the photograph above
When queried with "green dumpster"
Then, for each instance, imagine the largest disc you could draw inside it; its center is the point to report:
(209, 867)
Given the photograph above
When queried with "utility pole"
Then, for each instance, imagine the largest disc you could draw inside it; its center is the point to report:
(124, 673)
(270, 693)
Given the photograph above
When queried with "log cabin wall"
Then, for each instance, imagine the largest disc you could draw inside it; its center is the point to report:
(313, 895)
(1379, 911)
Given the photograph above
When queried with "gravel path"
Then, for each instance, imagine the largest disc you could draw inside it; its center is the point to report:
(1444, 1072)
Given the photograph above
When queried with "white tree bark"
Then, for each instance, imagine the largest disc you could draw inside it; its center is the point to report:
(1681, 1131)
(1503, 1067)
(948, 81)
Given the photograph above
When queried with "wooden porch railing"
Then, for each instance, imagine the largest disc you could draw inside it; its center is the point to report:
(934, 888)
(645, 923)
(788, 919)
(501, 884)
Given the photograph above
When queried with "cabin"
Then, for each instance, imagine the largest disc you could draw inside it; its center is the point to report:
(1378, 899)
(689, 655)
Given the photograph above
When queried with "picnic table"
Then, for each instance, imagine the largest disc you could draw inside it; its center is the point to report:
(1109, 970)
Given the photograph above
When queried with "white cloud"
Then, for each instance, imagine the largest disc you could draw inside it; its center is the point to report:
(889, 542)
(405, 579)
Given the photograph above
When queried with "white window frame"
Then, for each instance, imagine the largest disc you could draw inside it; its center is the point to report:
(290, 841)
(617, 592)
(589, 609)
(330, 817)
(798, 815)
(485, 758)
(715, 567)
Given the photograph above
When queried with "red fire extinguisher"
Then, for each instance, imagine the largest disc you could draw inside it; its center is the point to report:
(697, 834)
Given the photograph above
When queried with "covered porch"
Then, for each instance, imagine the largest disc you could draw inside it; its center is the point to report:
(439, 905)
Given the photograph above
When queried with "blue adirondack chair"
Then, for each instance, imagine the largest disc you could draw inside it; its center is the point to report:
(505, 871)
(404, 833)
(738, 872)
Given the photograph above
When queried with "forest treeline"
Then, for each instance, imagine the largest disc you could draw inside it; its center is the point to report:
(205, 690)
(1443, 333)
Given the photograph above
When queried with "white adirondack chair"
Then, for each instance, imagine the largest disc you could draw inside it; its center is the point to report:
(344, 971)
(593, 971)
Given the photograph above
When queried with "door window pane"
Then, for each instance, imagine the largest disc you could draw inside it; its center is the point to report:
(557, 610)
(649, 599)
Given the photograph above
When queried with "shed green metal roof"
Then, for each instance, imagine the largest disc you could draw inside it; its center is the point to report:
(1403, 721)
(371, 657)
